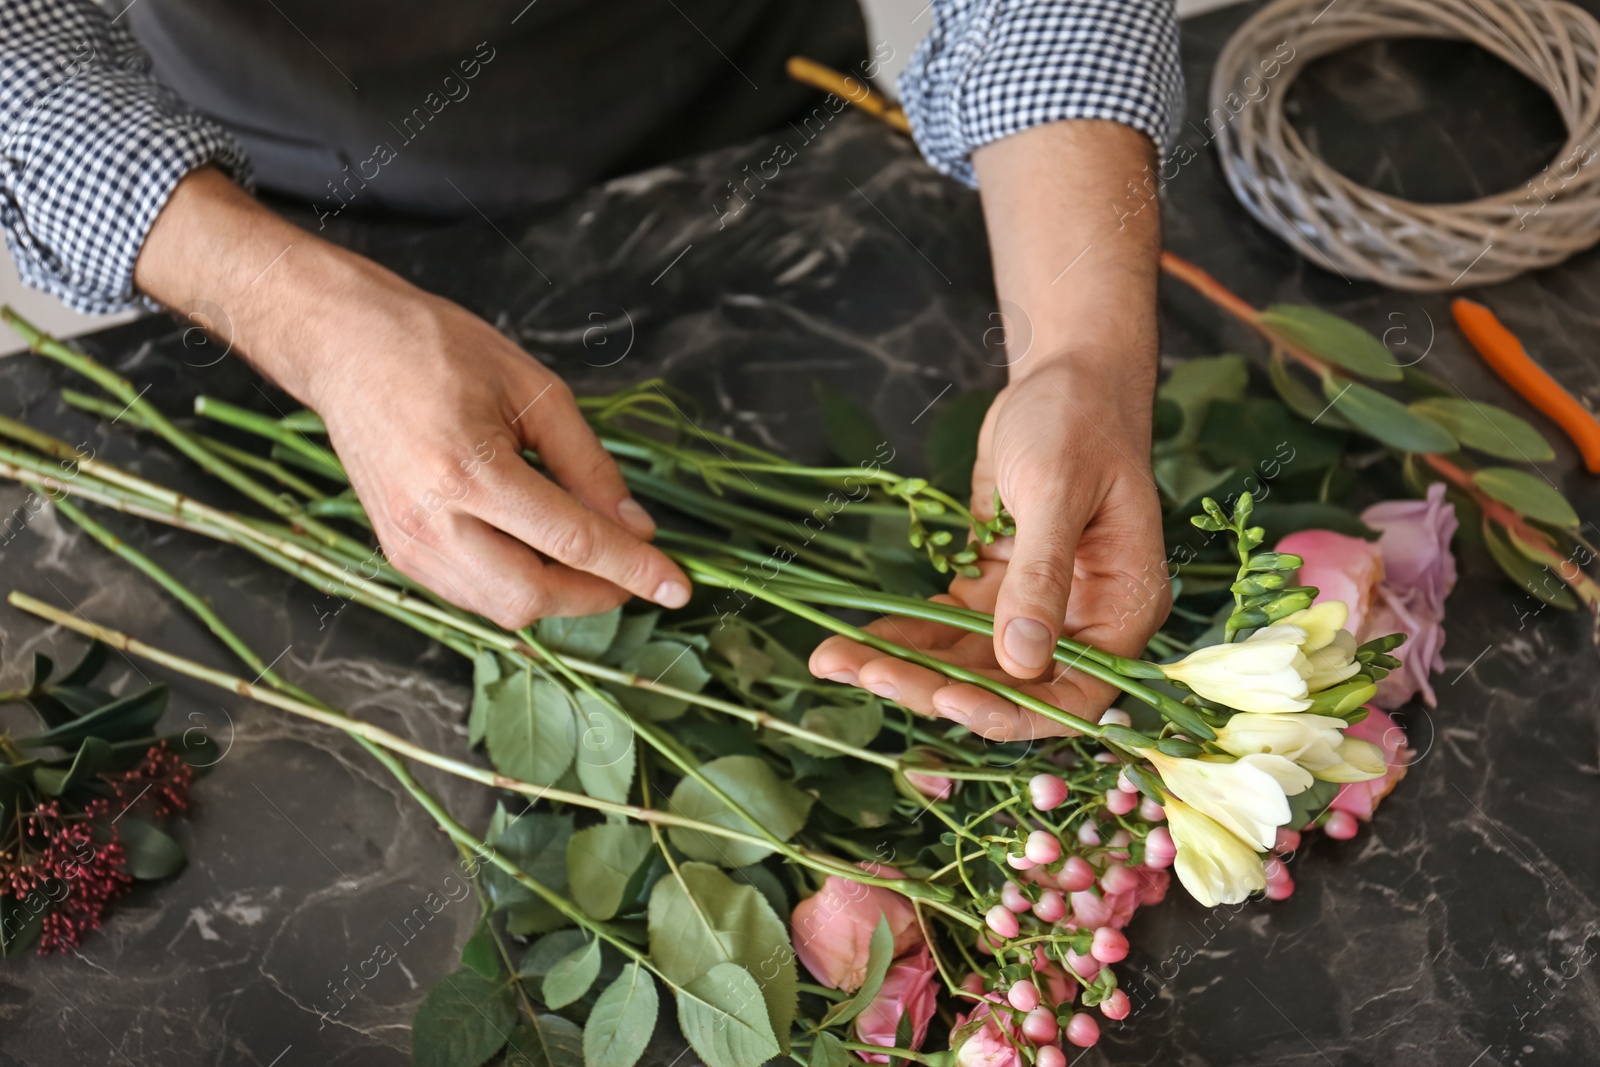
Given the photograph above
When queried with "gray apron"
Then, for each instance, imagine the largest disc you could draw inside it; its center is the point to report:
(445, 109)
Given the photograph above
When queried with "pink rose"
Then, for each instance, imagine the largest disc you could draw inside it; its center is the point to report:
(1419, 573)
(996, 1043)
(1361, 798)
(909, 990)
(1341, 567)
(1398, 585)
(833, 928)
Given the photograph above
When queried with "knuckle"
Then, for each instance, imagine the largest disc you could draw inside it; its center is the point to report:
(517, 608)
(573, 543)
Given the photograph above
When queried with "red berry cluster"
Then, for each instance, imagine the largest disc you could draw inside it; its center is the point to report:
(162, 780)
(67, 866)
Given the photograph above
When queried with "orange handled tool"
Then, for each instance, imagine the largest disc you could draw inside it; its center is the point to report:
(1500, 349)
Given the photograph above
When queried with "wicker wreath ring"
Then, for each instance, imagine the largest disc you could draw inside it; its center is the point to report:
(1358, 232)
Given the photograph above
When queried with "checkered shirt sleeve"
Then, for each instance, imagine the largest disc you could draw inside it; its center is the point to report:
(91, 146)
(988, 68)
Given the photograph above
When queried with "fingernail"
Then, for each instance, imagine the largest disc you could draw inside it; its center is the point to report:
(884, 690)
(844, 677)
(635, 517)
(1028, 642)
(671, 594)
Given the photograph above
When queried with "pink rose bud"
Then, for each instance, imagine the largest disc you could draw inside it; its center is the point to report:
(1086, 966)
(1150, 811)
(932, 786)
(1159, 849)
(1110, 946)
(1052, 906)
(1120, 802)
(1018, 863)
(1088, 834)
(1002, 920)
(1023, 995)
(1082, 1030)
(1076, 875)
(1042, 847)
(1048, 791)
(1050, 1056)
(1039, 1026)
(1341, 826)
(1116, 1006)
(1120, 879)
(1288, 841)
(1011, 896)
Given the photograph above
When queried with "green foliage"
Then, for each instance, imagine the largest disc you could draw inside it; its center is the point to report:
(1332, 338)
(463, 1021)
(1531, 495)
(1532, 576)
(722, 1016)
(1385, 418)
(751, 783)
(1193, 386)
(605, 758)
(666, 663)
(600, 861)
(544, 1041)
(701, 919)
(952, 445)
(880, 953)
(532, 729)
(571, 976)
(1480, 425)
(151, 853)
(586, 637)
(852, 434)
(622, 1021)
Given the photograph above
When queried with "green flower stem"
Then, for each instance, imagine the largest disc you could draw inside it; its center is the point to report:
(121, 388)
(250, 422)
(744, 555)
(358, 728)
(237, 456)
(890, 1051)
(716, 576)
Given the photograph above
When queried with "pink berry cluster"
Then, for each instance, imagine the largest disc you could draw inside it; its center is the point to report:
(59, 862)
(1085, 892)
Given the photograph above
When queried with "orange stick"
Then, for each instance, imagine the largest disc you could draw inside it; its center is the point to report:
(1500, 349)
(854, 90)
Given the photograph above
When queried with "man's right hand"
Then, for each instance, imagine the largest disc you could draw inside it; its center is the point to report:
(428, 407)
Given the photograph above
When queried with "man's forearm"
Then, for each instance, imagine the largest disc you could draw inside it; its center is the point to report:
(1075, 270)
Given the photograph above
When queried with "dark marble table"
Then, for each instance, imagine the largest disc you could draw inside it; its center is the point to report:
(1457, 931)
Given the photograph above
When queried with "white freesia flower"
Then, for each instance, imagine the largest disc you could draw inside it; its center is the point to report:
(1276, 668)
(1248, 797)
(1213, 865)
(1264, 673)
(1315, 742)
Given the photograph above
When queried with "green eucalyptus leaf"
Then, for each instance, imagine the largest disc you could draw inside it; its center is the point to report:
(463, 1021)
(532, 730)
(1534, 497)
(750, 782)
(722, 1016)
(667, 663)
(571, 976)
(1385, 418)
(1486, 428)
(545, 1041)
(600, 861)
(605, 749)
(151, 854)
(586, 637)
(1534, 578)
(619, 1027)
(1339, 341)
(485, 671)
(1301, 398)
(700, 919)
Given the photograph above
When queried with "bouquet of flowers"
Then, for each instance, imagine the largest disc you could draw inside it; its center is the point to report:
(805, 870)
